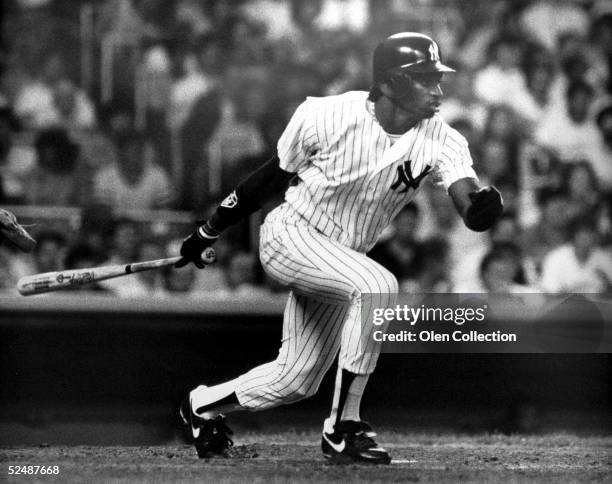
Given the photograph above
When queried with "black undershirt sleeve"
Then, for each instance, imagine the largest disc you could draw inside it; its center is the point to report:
(260, 186)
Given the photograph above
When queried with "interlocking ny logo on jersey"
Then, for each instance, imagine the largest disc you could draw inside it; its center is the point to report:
(404, 175)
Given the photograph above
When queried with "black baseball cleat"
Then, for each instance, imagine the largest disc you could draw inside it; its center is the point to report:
(210, 436)
(353, 442)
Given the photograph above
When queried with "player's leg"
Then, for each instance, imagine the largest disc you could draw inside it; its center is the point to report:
(374, 287)
(359, 353)
(311, 338)
(369, 284)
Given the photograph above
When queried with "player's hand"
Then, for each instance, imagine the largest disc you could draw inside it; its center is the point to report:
(487, 205)
(197, 249)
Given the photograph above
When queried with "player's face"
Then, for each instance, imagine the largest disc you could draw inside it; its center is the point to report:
(419, 94)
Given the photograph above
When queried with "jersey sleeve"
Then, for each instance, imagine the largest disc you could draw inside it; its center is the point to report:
(454, 161)
(298, 141)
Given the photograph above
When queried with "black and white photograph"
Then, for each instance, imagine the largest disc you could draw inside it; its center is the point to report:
(306, 241)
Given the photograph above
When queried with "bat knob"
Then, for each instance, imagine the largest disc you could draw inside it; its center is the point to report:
(209, 256)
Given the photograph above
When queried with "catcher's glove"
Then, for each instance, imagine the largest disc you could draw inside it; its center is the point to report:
(487, 205)
(15, 233)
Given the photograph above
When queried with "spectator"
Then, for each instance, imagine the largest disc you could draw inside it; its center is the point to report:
(344, 15)
(441, 223)
(192, 84)
(154, 92)
(11, 185)
(73, 109)
(8, 278)
(550, 231)
(401, 253)
(34, 103)
(602, 36)
(434, 276)
(571, 133)
(97, 150)
(582, 187)
(547, 20)
(49, 251)
(579, 266)
(502, 123)
(539, 171)
(179, 283)
(124, 237)
(502, 81)
(58, 178)
(602, 162)
(351, 75)
(237, 135)
(54, 100)
(465, 275)
(461, 102)
(500, 269)
(485, 26)
(117, 119)
(191, 21)
(540, 74)
(134, 181)
(273, 16)
(603, 216)
(497, 162)
(196, 129)
(148, 283)
(96, 228)
(14, 264)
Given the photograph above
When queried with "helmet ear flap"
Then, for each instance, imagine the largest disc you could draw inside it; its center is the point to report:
(399, 86)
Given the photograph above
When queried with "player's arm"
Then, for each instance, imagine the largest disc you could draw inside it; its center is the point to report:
(254, 191)
(478, 206)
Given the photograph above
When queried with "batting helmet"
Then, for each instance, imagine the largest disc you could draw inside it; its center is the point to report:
(406, 52)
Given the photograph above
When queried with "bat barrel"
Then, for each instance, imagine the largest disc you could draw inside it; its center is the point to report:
(55, 281)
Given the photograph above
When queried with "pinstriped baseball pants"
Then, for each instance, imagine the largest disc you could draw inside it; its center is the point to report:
(329, 284)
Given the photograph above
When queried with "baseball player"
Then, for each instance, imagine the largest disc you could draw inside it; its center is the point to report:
(354, 161)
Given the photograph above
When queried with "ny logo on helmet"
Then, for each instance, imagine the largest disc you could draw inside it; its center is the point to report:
(404, 175)
(434, 53)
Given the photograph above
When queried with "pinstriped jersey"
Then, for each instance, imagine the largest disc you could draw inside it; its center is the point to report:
(353, 179)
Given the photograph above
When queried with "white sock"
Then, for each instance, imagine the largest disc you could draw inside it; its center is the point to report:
(350, 409)
(353, 398)
(203, 396)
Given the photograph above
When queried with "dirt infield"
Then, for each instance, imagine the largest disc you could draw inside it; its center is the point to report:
(293, 457)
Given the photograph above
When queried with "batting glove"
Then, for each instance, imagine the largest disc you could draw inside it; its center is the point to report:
(193, 246)
(487, 205)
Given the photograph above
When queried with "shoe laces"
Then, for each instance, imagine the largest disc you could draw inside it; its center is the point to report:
(365, 440)
(363, 436)
(221, 431)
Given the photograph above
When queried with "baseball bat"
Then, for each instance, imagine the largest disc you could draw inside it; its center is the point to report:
(58, 280)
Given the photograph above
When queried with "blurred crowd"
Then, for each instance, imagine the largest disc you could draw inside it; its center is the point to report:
(158, 104)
